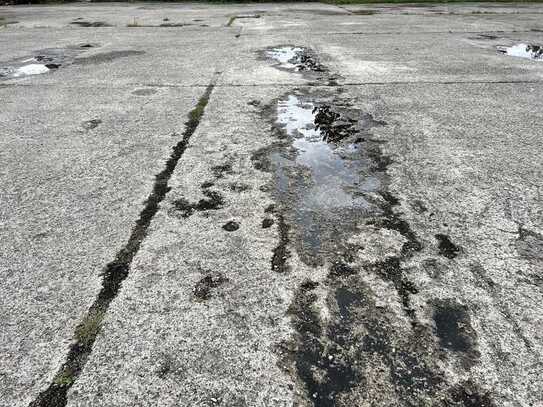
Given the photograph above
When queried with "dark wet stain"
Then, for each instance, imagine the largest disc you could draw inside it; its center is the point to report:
(308, 62)
(340, 269)
(106, 57)
(364, 12)
(270, 208)
(356, 346)
(202, 290)
(254, 102)
(418, 206)
(321, 12)
(91, 124)
(485, 37)
(447, 248)
(174, 25)
(392, 221)
(454, 330)
(144, 92)
(219, 171)
(529, 245)
(468, 394)
(165, 367)
(301, 59)
(90, 24)
(239, 187)
(207, 184)
(267, 222)
(335, 126)
(231, 226)
(391, 270)
(281, 252)
(213, 200)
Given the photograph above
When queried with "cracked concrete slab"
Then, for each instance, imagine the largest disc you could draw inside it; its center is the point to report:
(361, 227)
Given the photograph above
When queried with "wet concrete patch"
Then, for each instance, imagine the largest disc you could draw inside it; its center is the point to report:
(213, 200)
(364, 12)
(144, 92)
(293, 58)
(239, 187)
(341, 361)
(106, 57)
(203, 289)
(468, 394)
(221, 170)
(231, 226)
(281, 252)
(454, 330)
(267, 223)
(91, 124)
(361, 355)
(527, 51)
(90, 24)
(530, 245)
(446, 247)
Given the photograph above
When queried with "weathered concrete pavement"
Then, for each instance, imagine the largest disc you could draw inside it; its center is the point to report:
(398, 265)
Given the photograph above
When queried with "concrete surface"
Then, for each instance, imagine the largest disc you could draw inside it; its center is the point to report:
(417, 284)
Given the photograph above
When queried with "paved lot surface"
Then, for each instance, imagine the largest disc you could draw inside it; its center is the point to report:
(270, 205)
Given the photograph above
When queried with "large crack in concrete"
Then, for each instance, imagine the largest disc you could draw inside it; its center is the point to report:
(117, 271)
(330, 179)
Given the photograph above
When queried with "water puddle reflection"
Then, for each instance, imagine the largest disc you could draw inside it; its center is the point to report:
(42, 61)
(533, 52)
(294, 58)
(328, 185)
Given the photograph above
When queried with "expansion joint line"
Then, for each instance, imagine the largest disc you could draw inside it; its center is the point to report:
(116, 272)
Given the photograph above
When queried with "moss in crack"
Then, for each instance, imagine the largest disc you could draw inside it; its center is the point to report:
(115, 273)
(89, 328)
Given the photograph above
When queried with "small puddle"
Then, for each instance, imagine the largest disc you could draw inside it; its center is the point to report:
(533, 52)
(42, 61)
(294, 59)
(327, 184)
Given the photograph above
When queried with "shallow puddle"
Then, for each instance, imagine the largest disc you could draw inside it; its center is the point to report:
(285, 56)
(533, 52)
(41, 61)
(334, 170)
(326, 185)
(294, 59)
